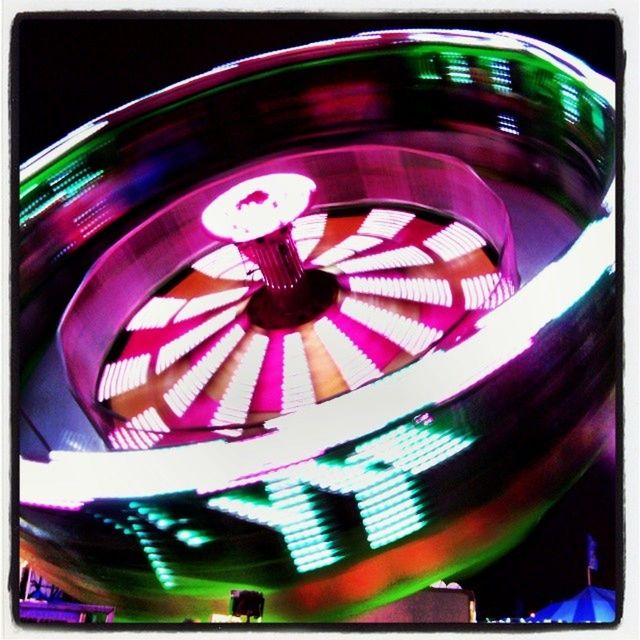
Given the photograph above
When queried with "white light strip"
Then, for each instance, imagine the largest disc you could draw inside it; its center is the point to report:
(309, 227)
(345, 249)
(477, 290)
(410, 335)
(392, 259)
(429, 290)
(155, 314)
(454, 241)
(236, 400)
(297, 387)
(123, 375)
(385, 223)
(201, 304)
(465, 37)
(59, 148)
(356, 368)
(508, 124)
(549, 294)
(218, 261)
(503, 291)
(127, 439)
(305, 248)
(148, 420)
(504, 333)
(175, 349)
(181, 396)
(227, 263)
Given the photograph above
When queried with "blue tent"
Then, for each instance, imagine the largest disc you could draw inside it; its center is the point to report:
(592, 604)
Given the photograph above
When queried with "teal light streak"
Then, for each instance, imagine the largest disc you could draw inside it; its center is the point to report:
(570, 102)
(415, 448)
(381, 475)
(292, 511)
(306, 534)
(457, 68)
(500, 75)
(64, 188)
(192, 538)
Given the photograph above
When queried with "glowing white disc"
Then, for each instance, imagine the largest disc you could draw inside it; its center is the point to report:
(258, 206)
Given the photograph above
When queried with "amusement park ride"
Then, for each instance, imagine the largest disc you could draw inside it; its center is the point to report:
(326, 324)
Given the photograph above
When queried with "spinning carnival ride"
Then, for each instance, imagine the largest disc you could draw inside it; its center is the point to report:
(331, 323)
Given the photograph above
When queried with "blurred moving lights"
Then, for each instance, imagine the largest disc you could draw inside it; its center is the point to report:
(380, 470)
(212, 335)
(504, 333)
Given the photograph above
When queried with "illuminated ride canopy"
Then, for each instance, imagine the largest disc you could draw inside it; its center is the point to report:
(300, 335)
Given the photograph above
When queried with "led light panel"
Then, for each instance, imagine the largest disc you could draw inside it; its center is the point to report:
(235, 402)
(156, 313)
(392, 259)
(430, 290)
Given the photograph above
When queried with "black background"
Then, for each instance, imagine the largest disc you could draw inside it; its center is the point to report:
(68, 70)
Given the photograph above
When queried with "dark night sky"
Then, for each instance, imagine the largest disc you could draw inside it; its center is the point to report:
(70, 71)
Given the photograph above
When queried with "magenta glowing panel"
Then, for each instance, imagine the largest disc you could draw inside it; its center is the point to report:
(258, 206)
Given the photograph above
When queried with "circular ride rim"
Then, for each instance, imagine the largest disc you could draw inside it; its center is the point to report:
(569, 156)
(111, 291)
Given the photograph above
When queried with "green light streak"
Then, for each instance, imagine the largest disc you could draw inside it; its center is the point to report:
(67, 188)
(427, 68)
(420, 55)
(597, 118)
(61, 165)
